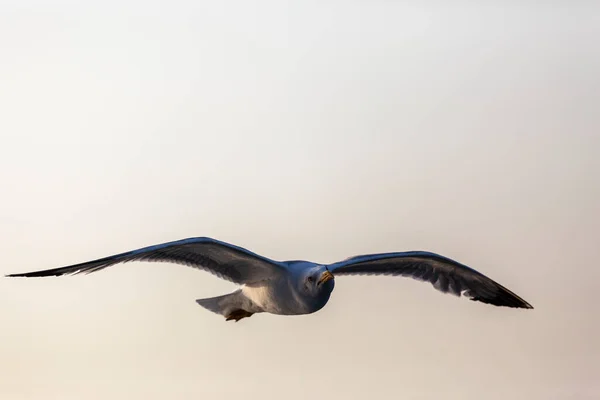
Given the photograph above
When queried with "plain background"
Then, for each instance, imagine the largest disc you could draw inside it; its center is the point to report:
(300, 130)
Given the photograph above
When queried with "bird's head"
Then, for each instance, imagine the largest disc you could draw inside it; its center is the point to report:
(317, 282)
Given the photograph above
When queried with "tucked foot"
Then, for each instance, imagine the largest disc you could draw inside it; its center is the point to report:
(237, 315)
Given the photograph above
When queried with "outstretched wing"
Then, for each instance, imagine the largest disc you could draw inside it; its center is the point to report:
(444, 274)
(222, 259)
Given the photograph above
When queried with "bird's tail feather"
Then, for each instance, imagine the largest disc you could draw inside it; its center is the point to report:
(225, 304)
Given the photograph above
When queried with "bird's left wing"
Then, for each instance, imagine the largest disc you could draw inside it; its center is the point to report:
(222, 259)
(444, 274)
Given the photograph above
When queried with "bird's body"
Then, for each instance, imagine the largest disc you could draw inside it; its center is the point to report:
(276, 297)
(281, 295)
(298, 287)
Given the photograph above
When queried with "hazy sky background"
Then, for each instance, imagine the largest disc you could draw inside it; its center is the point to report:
(300, 130)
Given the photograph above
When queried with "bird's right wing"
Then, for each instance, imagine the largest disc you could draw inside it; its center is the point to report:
(222, 259)
(446, 275)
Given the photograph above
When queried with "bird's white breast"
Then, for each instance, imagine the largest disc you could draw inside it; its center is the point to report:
(274, 297)
(260, 295)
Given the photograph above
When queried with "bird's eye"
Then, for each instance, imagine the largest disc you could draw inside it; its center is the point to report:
(311, 279)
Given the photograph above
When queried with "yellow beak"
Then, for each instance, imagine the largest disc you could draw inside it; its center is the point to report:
(327, 276)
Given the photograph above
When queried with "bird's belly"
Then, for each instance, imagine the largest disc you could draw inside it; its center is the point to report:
(274, 299)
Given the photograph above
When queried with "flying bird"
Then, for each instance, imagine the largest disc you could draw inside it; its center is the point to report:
(297, 287)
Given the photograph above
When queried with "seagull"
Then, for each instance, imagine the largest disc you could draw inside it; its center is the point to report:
(297, 287)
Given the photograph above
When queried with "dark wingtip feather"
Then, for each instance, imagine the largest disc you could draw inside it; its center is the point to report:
(28, 275)
(511, 304)
(504, 298)
(25, 275)
(38, 274)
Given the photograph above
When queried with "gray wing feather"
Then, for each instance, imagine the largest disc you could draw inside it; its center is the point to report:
(222, 259)
(446, 275)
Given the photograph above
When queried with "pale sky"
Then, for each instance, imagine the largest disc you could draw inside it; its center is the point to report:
(300, 130)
